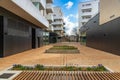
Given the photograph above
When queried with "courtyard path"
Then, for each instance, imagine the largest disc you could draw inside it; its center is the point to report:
(87, 56)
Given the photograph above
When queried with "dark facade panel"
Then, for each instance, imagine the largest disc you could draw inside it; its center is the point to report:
(39, 37)
(104, 37)
(15, 44)
(1, 35)
(17, 34)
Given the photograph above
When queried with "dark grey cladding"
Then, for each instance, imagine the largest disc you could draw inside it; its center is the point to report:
(16, 34)
(105, 37)
(1, 36)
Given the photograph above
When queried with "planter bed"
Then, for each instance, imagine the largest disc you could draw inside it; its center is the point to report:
(62, 49)
(99, 67)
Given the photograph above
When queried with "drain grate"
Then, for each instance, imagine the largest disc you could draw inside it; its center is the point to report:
(6, 75)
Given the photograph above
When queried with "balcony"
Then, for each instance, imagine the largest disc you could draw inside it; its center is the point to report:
(87, 13)
(86, 7)
(58, 17)
(50, 28)
(85, 20)
(50, 17)
(58, 28)
(29, 12)
(49, 1)
(49, 8)
(58, 23)
(41, 3)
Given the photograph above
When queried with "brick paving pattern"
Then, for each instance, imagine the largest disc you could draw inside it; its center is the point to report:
(87, 56)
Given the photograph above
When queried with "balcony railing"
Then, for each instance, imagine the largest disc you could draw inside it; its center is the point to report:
(58, 23)
(41, 2)
(49, 1)
(85, 20)
(50, 17)
(86, 7)
(58, 28)
(58, 17)
(49, 8)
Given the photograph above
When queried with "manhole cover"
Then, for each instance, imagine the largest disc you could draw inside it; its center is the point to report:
(6, 75)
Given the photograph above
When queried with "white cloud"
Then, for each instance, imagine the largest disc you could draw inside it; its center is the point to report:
(69, 5)
(74, 16)
(69, 25)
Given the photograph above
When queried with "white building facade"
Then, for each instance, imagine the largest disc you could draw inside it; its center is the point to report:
(28, 11)
(58, 23)
(46, 10)
(87, 10)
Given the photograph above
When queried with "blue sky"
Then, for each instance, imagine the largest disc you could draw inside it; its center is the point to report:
(70, 11)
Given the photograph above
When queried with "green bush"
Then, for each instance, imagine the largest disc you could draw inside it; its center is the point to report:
(66, 68)
(89, 69)
(39, 67)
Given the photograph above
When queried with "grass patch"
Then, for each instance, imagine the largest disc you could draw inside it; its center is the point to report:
(64, 47)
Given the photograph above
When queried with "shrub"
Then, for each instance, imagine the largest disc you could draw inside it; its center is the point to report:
(66, 68)
(89, 69)
(39, 67)
(17, 67)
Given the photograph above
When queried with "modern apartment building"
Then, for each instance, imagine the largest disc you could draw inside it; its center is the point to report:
(87, 10)
(58, 23)
(23, 24)
(102, 31)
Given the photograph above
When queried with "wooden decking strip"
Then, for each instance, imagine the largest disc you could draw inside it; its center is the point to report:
(49, 75)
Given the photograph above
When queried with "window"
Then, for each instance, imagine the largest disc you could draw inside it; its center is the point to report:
(86, 10)
(86, 5)
(83, 5)
(86, 17)
(83, 23)
(54, 15)
(36, 4)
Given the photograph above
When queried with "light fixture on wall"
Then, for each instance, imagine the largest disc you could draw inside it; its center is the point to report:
(112, 16)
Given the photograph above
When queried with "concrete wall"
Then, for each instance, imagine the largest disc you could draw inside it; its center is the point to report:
(109, 10)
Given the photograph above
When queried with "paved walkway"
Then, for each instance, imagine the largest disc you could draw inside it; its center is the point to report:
(87, 56)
